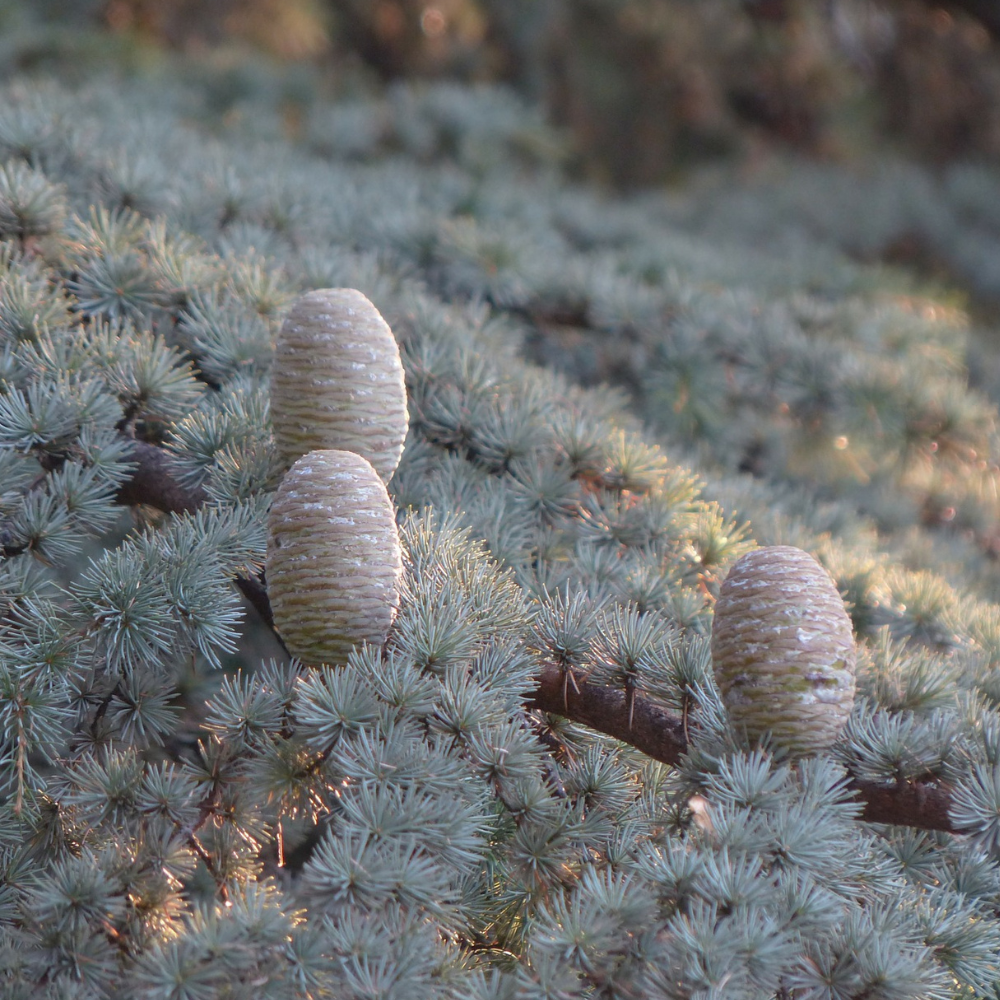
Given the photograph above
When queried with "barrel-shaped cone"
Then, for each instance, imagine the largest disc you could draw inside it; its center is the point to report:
(783, 650)
(334, 561)
(337, 380)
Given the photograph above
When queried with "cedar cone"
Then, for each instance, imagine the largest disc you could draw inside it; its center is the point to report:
(334, 561)
(337, 380)
(783, 650)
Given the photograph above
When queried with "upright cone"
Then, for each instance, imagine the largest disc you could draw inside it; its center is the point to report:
(337, 381)
(783, 650)
(334, 561)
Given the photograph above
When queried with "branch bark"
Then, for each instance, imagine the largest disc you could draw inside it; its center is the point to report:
(655, 731)
(660, 734)
(652, 730)
(152, 483)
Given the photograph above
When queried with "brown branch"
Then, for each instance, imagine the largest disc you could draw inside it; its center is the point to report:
(660, 734)
(255, 592)
(152, 483)
(653, 730)
(912, 803)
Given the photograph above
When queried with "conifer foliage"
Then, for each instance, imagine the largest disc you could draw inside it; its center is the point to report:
(531, 789)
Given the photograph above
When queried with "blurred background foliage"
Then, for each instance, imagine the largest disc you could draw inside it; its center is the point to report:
(790, 140)
(646, 89)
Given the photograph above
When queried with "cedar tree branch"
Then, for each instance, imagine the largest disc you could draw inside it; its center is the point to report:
(660, 734)
(653, 730)
(152, 483)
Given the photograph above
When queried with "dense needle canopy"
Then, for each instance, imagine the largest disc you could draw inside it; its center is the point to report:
(187, 813)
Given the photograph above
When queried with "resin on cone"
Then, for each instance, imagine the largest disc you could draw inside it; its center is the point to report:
(337, 380)
(334, 561)
(783, 650)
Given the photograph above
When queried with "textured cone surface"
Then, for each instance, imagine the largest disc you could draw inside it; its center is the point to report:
(783, 649)
(333, 557)
(337, 381)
